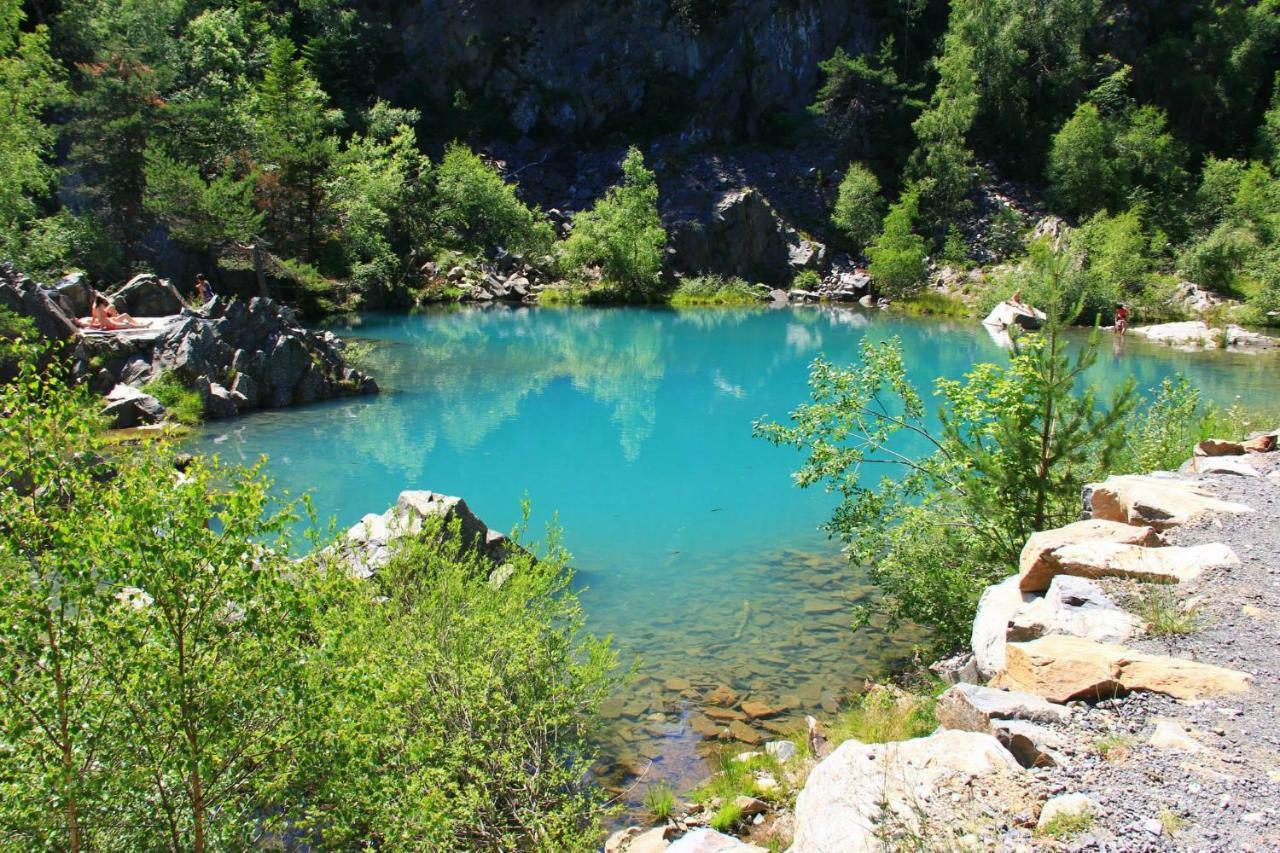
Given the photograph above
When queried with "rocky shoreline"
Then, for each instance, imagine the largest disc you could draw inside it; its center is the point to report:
(237, 355)
(1120, 694)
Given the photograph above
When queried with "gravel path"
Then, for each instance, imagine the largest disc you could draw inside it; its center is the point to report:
(1222, 790)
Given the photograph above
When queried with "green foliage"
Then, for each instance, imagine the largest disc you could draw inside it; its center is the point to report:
(726, 817)
(806, 280)
(1166, 613)
(1065, 826)
(478, 210)
(885, 714)
(199, 212)
(30, 82)
(1269, 131)
(898, 253)
(453, 714)
(859, 207)
(1013, 448)
(660, 801)
(622, 234)
(172, 677)
(942, 164)
(863, 105)
(182, 403)
(1114, 162)
(714, 290)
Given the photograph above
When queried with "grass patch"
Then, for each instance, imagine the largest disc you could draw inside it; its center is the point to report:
(726, 817)
(182, 403)
(1165, 613)
(564, 294)
(1171, 823)
(1114, 747)
(1066, 825)
(714, 290)
(887, 714)
(737, 779)
(930, 303)
(660, 800)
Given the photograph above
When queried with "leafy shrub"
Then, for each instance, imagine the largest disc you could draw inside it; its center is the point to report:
(859, 207)
(478, 210)
(228, 692)
(1016, 445)
(714, 290)
(806, 280)
(898, 254)
(622, 234)
(183, 404)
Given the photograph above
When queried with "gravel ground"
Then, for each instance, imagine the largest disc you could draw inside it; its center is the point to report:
(1225, 794)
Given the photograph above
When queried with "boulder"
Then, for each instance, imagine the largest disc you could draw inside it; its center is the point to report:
(1219, 447)
(1007, 315)
(1159, 502)
(1196, 334)
(147, 296)
(970, 708)
(1037, 564)
(1171, 564)
(781, 750)
(1173, 735)
(1076, 607)
(1030, 744)
(1237, 466)
(707, 840)
(369, 544)
(1065, 668)
(633, 839)
(128, 407)
(755, 710)
(218, 401)
(738, 730)
(991, 624)
(22, 296)
(1064, 806)
(859, 788)
(1261, 444)
(75, 294)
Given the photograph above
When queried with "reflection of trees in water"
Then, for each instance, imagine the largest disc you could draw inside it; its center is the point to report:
(475, 368)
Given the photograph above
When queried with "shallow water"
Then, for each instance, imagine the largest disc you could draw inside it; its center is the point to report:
(634, 426)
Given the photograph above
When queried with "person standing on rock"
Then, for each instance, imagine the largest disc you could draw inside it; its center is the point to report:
(204, 290)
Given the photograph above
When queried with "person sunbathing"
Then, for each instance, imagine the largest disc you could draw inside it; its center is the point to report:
(104, 317)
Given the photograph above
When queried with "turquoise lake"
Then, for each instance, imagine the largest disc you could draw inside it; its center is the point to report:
(634, 428)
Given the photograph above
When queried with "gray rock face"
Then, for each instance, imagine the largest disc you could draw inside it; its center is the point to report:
(573, 67)
(1074, 606)
(370, 543)
(971, 708)
(238, 355)
(738, 233)
(147, 296)
(75, 294)
(128, 407)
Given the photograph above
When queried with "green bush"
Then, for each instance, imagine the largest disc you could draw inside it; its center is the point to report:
(806, 280)
(859, 207)
(714, 290)
(479, 211)
(898, 254)
(622, 234)
(183, 404)
(1017, 442)
(228, 693)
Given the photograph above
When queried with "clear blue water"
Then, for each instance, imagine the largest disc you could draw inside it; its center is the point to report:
(634, 428)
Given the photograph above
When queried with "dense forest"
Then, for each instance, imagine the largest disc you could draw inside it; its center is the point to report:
(328, 145)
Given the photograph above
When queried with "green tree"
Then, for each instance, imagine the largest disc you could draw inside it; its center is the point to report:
(942, 165)
(1269, 132)
(898, 253)
(477, 210)
(859, 207)
(30, 82)
(293, 126)
(456, 712)
(623, 234)
(863, 105)
(1007, 456)
(1080, 167)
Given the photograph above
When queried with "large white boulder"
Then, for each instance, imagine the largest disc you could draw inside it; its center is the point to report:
(996, 607)
(862, 795)
(1009, 314)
